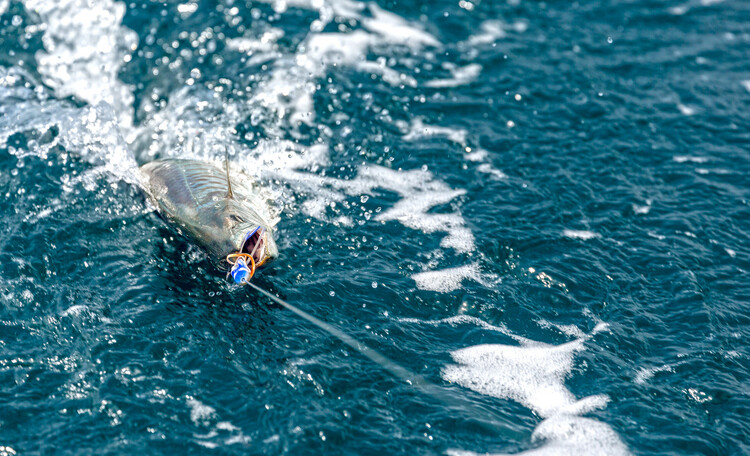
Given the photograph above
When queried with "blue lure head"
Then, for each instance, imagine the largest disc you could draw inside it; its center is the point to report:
(240, 271)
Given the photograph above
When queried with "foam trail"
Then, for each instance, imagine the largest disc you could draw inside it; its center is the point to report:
(645, 374)
(420, 130)
(690, 159)
(195, 124)
(580, 234)
(534, 374)
(287, 96)
(420, 192)
(491, 31)
(568, 436)
(88, 130)
(445, 280)
(459, 76)
(488, 169)
(85, 47)
(395, 29)
(531, 375)
(388, 74)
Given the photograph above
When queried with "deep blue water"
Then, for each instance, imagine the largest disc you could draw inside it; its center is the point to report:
(541, 207)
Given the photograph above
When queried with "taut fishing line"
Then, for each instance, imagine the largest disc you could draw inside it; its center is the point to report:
(397, 370)
(443, 395)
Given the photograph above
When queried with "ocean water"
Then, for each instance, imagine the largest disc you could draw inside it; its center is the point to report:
(543, 208)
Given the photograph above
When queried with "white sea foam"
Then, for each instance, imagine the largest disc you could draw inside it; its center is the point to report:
(91, 131)
(334, 49)
(746, 84)
(488, 169)
(218, 432)
(643, 209)
(580, 234)
(534, 375)
(200, 413)
(565, 435)
(266, 43)
(685, 110)
(679, 10)
(187, 9)
(644, 374)
(395, 29)
(445, 280)
(459, 76)
(689, 159)
(74, 310)
(493, 30)
(288, 93)
(477, 155)
(195, 124)
(420, 130)
(490, 31)
(4, 6)
(327, 9)
(570, 330)
(389, 75)
(85, 47)
(419, 192)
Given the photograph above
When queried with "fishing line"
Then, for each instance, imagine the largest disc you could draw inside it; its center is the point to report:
(506, 427)
(397, 370)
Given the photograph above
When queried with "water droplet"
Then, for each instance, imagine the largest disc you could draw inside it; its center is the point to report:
(374, 284)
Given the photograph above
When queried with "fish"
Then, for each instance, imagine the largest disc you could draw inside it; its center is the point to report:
(199, 198)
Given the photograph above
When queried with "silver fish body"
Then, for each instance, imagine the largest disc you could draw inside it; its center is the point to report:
(195, 196)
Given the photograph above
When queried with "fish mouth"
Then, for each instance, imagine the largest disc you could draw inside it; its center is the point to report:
(255, 246)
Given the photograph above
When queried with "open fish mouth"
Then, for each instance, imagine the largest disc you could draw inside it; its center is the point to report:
(255, 246)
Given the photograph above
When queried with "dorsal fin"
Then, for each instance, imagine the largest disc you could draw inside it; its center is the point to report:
(229, 181)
